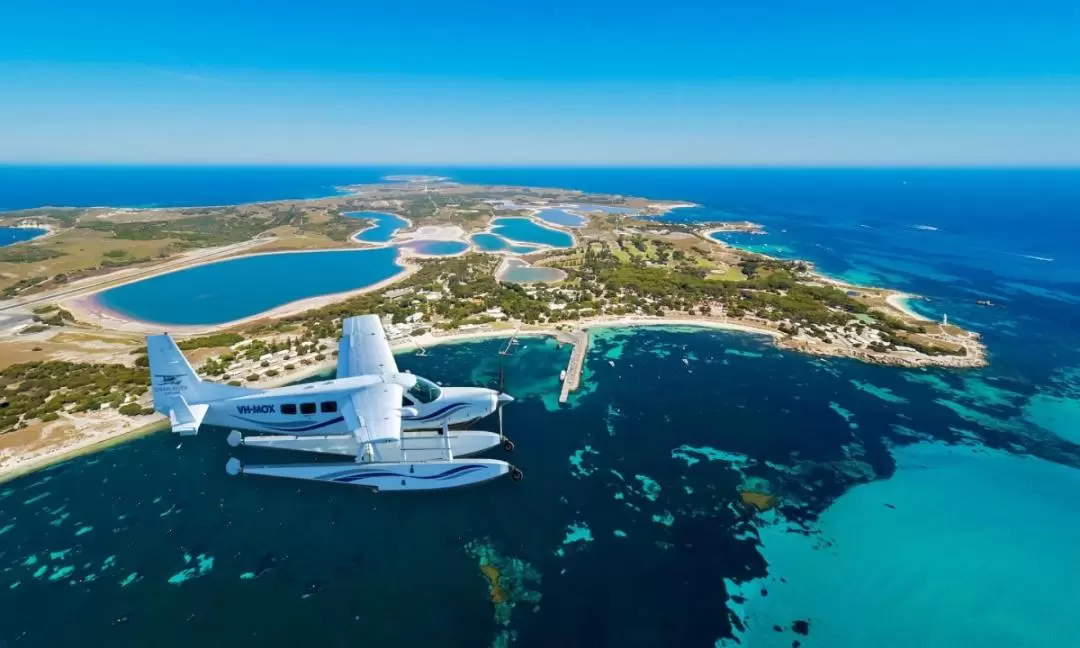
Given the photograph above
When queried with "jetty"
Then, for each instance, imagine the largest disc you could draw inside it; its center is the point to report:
(511, 343)
(580, 340)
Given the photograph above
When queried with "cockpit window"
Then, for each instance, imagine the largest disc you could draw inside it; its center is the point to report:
(424, 391)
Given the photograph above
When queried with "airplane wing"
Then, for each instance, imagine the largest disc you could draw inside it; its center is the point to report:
(374, 413)
(364, 350)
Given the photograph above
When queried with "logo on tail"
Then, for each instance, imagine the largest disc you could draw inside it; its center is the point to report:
(169, 383)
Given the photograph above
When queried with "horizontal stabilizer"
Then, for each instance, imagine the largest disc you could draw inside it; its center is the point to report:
(185, 418)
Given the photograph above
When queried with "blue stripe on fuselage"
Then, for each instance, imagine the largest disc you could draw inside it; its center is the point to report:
(436, 413)
(290, 427)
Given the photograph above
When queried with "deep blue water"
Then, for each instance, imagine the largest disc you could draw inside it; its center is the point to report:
(233, 289)
(9, 235)
(383, 229)
(22, 187)
(627, 529)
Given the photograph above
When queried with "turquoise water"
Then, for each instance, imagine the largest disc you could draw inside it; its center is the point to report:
(384, 228)
(436, 248)
(233, 289)
(961, 546)
(560, 217)
(526, 231)
(9, 235)
(628, 500)
(519, 271)
(488, 242)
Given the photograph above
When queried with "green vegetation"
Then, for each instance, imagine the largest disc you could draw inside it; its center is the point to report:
(203, 230)
(23, 285)
(34, 390)
(65, 215)
(210, 341)
(121, 258)
(28, 254)
(338, 228)
(134, 409)
(58, 317)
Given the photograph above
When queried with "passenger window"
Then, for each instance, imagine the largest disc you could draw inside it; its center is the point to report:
(307, 408)
(288, 408)
(328, 407)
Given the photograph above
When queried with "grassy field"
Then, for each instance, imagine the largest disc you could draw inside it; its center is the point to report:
(79, 251)
(730, 273)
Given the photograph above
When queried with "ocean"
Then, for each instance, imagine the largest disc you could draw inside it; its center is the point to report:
(914, 507)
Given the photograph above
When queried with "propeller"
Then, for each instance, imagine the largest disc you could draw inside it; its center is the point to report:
(502, 399)
(502, 435)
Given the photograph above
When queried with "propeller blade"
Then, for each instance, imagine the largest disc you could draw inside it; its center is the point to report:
(502, 437)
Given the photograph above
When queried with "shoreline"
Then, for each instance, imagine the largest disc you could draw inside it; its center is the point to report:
(899, 301)
(353, 237)
(93, 443)
(102, 429)
(344, 191)
(895, 298)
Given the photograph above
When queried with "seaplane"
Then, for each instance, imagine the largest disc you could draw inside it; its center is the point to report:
(402, 431)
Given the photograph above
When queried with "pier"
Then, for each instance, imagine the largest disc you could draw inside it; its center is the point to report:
(580, 340)
(511, 342)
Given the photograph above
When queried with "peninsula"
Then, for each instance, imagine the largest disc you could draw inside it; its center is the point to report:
(508, 261)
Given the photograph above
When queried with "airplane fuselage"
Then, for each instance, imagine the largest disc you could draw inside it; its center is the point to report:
(316, 408)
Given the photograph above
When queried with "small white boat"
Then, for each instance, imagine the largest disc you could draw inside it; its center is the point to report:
(611, 362)
(562, 375)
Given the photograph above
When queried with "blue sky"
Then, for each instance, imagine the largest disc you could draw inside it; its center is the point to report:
(563, 82)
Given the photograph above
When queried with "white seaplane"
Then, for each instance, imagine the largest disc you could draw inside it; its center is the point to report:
(396, 426)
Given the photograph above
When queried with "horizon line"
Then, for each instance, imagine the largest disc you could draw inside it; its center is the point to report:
(1064, 166)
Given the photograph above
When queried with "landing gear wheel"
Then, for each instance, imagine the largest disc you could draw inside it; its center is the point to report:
(516, 474)
(508, 445)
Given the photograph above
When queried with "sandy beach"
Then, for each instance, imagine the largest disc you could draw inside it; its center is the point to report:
(899, 302)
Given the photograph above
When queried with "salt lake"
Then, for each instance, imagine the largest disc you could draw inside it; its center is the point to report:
(524, 230)
(10, 235)
(487, 242)
(386, 225)
(233, 289)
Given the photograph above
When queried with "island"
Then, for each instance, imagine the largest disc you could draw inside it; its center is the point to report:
(474, 261)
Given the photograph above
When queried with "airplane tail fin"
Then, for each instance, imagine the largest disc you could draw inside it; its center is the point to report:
(175, 384)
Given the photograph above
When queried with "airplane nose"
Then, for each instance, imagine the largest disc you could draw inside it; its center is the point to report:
(503, 399)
